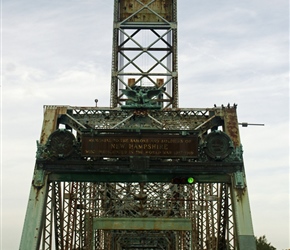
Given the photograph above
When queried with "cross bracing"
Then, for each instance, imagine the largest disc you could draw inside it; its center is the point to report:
(145, 49)
(92, 209)
(84, 201)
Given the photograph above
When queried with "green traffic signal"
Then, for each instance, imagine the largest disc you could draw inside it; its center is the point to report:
(190, 180)
(183, 180)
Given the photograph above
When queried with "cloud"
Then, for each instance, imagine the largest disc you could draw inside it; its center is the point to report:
(266, 157)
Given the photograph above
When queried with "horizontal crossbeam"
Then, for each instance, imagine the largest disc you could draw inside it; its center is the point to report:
(105, 177)
(175, 224)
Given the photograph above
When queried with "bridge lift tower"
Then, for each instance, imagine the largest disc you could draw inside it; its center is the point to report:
(143, 173)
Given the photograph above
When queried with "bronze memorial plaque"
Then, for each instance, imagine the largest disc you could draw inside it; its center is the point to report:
(120, 145)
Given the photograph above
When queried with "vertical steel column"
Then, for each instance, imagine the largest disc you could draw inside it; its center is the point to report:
(239, 193)
(242, 216)
(114, 78)
(174, 58)
(34, 218)
(58, 214)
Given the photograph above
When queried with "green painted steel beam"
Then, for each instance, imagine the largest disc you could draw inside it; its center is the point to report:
(105, 177)
(242, 214)
(175, 224)
(32, 229)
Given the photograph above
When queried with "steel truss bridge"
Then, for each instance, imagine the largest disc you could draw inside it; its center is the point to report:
(143, 173)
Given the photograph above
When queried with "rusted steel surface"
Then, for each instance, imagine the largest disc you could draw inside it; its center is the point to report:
(169, 119)
(162, 7)
(175, 224)
(231, 125)
(94, 212)
(50, 121)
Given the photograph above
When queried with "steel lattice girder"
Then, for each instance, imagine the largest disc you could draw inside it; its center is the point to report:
(155, 224)
(175, 119)
(198, 206)
(184, 121)
(145, 49)
(68, 190)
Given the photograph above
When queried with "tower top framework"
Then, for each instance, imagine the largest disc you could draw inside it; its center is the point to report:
(144, 53)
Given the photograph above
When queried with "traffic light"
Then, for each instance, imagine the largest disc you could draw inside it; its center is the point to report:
(183, 180)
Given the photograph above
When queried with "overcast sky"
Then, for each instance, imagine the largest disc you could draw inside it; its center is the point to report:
(59, 52)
